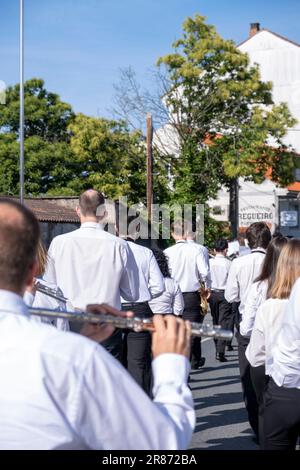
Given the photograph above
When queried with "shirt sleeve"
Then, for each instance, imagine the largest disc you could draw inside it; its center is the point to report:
(251, 305)
(256, 350)
(156, 282)
(113, 412)
(129, 285)
(232, 291)
(178, 303)
(203, 269)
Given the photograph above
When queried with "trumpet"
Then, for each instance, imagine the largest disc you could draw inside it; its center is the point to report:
(131, 323)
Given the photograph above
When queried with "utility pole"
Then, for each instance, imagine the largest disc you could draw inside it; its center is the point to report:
(21, 133)
(234, 206)
(149, 167)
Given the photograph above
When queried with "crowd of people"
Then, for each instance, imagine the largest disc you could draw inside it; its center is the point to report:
(131, 391)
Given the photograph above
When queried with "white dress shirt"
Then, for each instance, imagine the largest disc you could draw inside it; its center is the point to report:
(170, 301)
(40, 300)
(187, 266)
(285, 369)
(204, 251)
(267, 325)
(92, 266)
(243, 271)
(150, 279)
(256, 297)
(219, 269)
(63, 391)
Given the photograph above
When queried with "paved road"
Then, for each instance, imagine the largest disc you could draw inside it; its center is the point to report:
(221, 416)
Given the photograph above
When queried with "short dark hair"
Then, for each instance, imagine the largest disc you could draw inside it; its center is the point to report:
(221, 244)
(89, 201)
(162, 262)
(19, 236)
(258, 235)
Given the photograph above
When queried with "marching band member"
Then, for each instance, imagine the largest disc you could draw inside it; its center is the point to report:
(221, 310)
(188, 267)
(268, 320)
(262, 285)
(282, 396)
(242, 273)
(34, 298)
(136, 350)
(91, 265)
(64, 391)
(171, 300)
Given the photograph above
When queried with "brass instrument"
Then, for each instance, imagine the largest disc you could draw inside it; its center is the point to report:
(132, 323)
(203, 298)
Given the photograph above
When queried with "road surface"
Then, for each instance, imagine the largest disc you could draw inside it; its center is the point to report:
(221, 416)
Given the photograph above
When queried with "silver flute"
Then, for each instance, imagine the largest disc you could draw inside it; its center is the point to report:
(50, 291)
(131, 323)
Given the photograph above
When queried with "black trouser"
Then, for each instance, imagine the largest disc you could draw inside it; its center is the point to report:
(281, 417)
(249, 395)
(221, 312)
(192, 312)
(259, 381)
(234, 319)
(113, 344)
(136, 350)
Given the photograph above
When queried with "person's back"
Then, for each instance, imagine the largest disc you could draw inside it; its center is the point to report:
(49, 381)
(267, 325)
(89, 265)
(170, 301)
(151, 282)
(187, 266)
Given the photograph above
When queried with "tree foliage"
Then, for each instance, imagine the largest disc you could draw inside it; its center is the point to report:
(67, 153)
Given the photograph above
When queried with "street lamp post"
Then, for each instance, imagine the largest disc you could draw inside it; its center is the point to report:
(21, 133)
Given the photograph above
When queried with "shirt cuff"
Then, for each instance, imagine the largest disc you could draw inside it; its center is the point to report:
(170, 369)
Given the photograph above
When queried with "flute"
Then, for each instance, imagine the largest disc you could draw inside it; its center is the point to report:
(131, 323)
(50, 292)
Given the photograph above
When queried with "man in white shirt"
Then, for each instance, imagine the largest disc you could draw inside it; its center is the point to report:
(136, 350)
(60, 390)
(243, 271)
(221, 310)
(188, 267)
(91, 265)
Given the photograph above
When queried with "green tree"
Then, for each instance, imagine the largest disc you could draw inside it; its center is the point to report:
(224, 116)
(112, 158)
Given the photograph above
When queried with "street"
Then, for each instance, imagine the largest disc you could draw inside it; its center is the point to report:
(221, 416)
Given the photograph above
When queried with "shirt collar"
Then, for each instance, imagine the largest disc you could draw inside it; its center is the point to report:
(258, 249)
(180, 241)
(11, 302)
(90, 225)
(218, 255)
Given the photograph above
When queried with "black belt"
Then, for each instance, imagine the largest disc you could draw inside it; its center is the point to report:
(218, 290)
(135, 304)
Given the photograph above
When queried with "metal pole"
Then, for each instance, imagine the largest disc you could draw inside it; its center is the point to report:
(21, 133)
(234, 206)
(149, 166)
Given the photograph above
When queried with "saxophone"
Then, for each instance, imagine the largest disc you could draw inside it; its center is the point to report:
(203, 298)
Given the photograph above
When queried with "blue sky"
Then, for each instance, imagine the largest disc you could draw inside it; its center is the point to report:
(78, 46)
